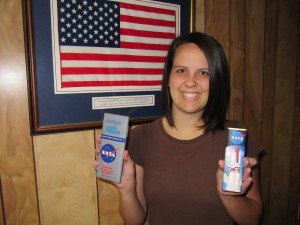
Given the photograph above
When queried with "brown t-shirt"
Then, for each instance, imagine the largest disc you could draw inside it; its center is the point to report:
(180, 175)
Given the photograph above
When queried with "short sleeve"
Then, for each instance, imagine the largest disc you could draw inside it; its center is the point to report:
(134, 145)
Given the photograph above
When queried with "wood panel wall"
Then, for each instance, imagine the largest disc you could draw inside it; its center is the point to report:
(48, 179)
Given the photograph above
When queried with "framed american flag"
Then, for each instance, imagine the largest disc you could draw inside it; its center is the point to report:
(87, 57)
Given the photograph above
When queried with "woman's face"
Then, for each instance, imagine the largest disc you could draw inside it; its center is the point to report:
(189, 80)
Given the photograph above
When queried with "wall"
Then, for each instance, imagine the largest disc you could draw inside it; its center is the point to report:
(48, 179)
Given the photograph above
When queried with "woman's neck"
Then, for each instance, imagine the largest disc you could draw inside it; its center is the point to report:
(186, 126)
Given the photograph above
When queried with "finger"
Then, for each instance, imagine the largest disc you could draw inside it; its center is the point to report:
(95, 164)
(98, 140)
(221, 164)
(250, 162)
(220, 172)
(127, 157)
(97, 151)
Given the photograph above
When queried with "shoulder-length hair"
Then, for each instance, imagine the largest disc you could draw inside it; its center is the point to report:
(214, 114)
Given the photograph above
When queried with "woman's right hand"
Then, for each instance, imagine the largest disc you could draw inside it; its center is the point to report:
(128, 173)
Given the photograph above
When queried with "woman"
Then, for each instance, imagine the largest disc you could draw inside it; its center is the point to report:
(169, 175)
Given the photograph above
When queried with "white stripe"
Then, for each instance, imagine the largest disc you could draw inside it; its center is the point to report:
(100, 50)
(104, 77)
(109, 64)
(99, 89)
(147, 27)
(146, 40)
(143, 14)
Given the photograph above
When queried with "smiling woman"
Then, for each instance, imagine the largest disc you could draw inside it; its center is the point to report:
(189, 83)
(170, 173)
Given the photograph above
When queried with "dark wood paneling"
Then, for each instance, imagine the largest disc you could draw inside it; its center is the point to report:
(294, 195)
(254, 52)
(268, 100)
(237, 59)
(283, 111)
(217, 21)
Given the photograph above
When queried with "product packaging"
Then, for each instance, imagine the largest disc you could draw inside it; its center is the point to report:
(112, 146)
(234, 160)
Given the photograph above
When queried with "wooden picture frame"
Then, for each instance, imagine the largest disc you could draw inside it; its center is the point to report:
(56, 107)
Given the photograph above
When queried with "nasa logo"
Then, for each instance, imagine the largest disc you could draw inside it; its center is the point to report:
(108, 153)
(237, 137)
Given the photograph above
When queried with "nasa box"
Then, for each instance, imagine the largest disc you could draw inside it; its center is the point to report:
(112, 146)
(234, 160)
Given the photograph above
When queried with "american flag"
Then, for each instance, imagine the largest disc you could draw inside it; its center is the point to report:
(102, 46)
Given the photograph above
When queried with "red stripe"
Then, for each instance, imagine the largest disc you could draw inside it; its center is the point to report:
(143, 33)
(87, 71)
(147, 9)
(147, 21)
(133, 45)
(110, 83)
(107, 57)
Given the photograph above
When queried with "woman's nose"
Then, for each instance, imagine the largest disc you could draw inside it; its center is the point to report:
(190, 80)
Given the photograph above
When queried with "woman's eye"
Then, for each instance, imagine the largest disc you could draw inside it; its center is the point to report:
(180, 70)
(204, 73)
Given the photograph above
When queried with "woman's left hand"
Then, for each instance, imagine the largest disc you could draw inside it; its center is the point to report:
(249, 164)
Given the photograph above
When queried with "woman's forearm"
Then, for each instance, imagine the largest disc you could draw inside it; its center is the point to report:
(243, 210)
(131, 210)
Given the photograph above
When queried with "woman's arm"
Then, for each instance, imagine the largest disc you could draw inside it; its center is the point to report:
(133, 207)
(246, 207)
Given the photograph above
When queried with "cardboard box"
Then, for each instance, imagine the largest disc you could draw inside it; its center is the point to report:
(112, 146)
(234, 160)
